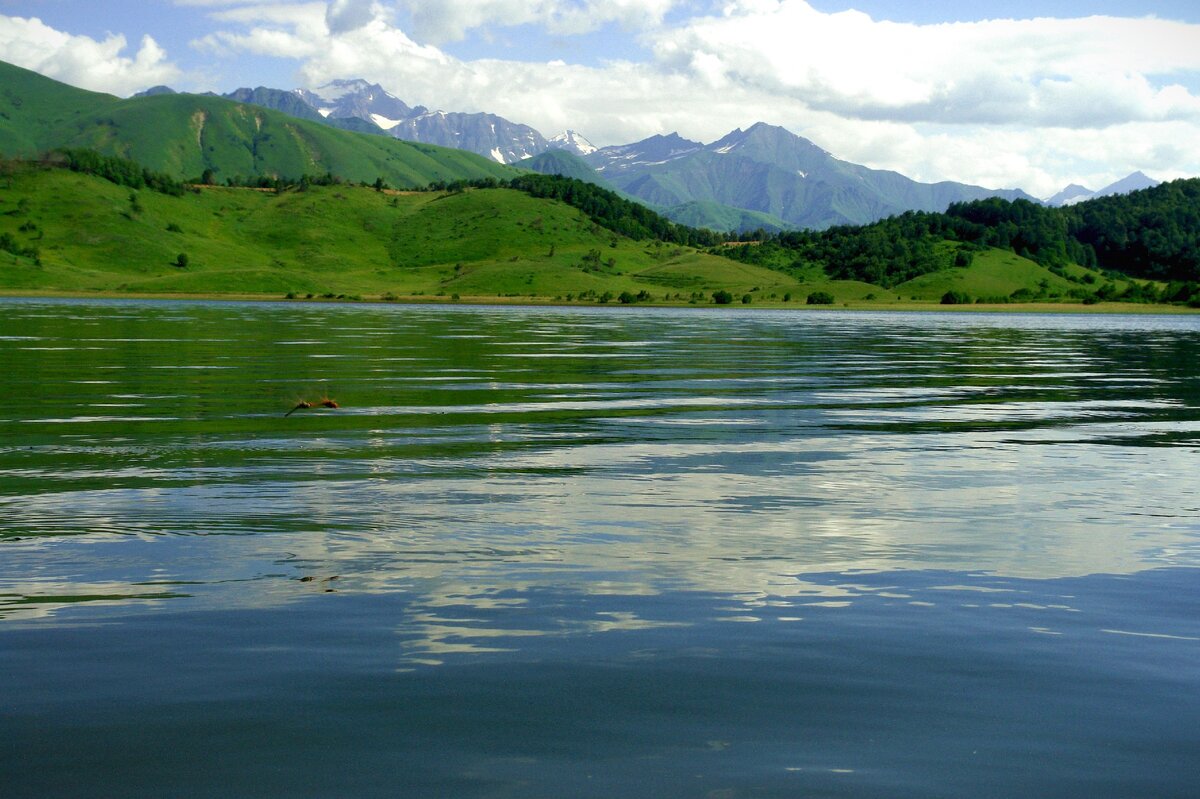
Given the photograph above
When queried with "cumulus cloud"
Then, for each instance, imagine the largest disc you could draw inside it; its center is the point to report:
(83, 61)
(1001, 103)
(347, 15)
(1061, 72)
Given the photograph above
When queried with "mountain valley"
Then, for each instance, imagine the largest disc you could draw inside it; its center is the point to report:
(185, 193)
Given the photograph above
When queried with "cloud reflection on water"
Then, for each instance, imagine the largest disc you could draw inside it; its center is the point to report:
(755, 452)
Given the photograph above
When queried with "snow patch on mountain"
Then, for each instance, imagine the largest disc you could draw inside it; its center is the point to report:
(573, 142)
(384, 122)
(337, 89)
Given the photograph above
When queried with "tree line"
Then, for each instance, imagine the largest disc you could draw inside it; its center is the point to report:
(120, 171)
(1151, 234)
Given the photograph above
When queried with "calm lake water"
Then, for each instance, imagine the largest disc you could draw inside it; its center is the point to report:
(596, 553)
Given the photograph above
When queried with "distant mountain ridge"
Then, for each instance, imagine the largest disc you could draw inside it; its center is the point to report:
(769, 170)
(1076, 194)
(485, 134)
(764, 176)
(356, 98)
(290, 104)
(695, 213)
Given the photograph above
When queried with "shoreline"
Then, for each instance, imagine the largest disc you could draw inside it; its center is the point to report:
(551, 302)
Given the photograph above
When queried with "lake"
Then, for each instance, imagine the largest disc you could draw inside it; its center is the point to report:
(596, 552)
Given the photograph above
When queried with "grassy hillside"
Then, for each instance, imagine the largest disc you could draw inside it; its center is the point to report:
(184, 134)
(992, 274)
(94, 236)
(71, 232)
(34, 108)
(569, 165)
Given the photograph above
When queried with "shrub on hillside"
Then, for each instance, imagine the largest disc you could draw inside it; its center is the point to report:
(957, 298)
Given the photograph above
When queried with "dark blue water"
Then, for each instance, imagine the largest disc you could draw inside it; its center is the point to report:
(545, 553)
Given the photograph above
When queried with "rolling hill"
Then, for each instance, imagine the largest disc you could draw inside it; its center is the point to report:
(567, 164)
(91, 235)
(62, 231)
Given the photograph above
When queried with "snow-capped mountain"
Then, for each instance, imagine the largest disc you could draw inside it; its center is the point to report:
(764, 170)
(486, 134)
(656, 150)
(572, 142)
(769, 170)
(357, 98)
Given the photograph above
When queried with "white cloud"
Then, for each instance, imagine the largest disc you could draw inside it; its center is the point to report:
(1071, 72)
(275, 13)
(83, 61)
(450, 20)
(347, 15)
(1002, 103)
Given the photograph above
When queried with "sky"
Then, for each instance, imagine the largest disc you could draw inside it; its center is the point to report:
(1024, 94)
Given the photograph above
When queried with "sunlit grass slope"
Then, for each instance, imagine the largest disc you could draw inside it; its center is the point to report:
(94, 236)
(992, 273)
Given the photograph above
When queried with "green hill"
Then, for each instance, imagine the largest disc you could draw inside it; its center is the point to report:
(992, 275)
(185, 134)
(91, 235)
(63, 231)
(561, 162)
(1125, 248)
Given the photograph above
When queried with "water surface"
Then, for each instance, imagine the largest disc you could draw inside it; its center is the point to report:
(545, 553)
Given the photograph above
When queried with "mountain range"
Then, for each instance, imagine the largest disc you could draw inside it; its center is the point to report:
(1076, 194)
(519, 234)
(762, 177)
(770, 170)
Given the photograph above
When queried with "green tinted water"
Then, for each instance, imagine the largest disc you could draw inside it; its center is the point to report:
(596, 553)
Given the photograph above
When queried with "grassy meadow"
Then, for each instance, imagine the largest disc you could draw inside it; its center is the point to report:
(93, 237)
(96, 237)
